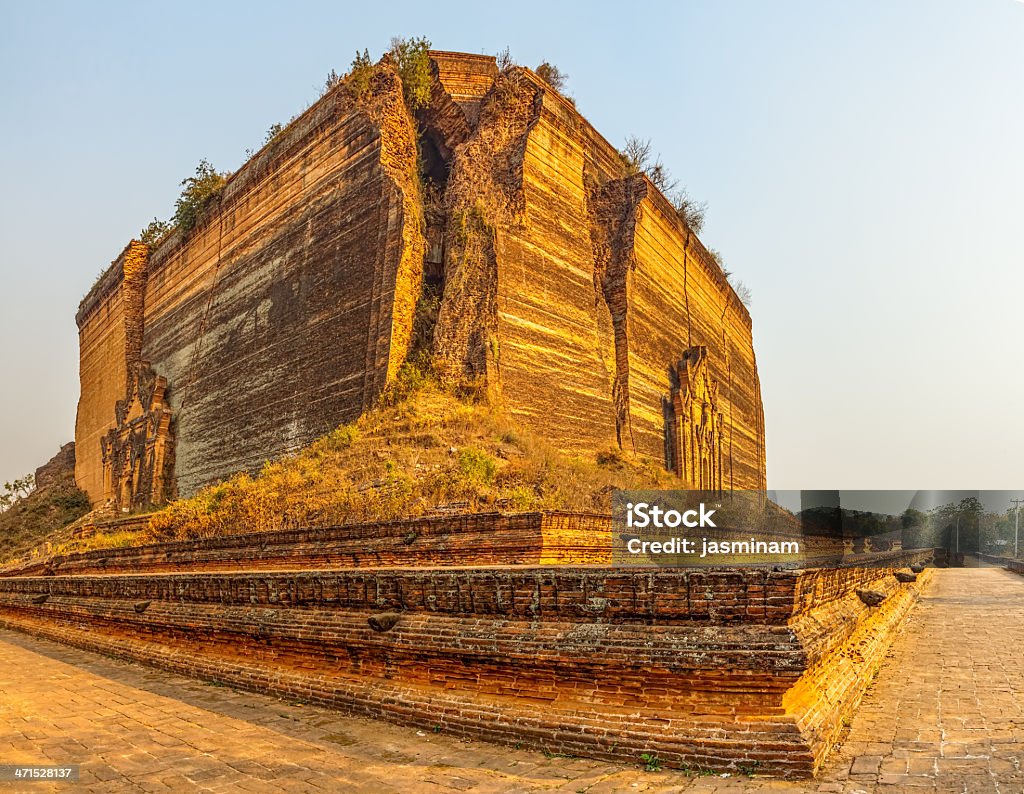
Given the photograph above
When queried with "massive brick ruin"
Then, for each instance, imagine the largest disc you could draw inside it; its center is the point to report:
(498, 233)
(570, 289)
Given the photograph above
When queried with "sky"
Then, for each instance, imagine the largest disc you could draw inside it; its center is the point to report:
(861, 162)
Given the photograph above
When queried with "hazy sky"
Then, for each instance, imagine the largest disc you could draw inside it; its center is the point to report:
(862, 163)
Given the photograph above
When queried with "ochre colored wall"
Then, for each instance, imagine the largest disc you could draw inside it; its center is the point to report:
(597, 286)
(556, 352)
(101, 346)
(283, 313)
(570, 287)
(678, 280)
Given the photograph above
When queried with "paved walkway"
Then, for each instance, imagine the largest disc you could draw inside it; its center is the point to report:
(946, 714)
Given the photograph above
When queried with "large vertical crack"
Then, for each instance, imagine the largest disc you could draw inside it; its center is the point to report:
(613, 209)
(483, 198)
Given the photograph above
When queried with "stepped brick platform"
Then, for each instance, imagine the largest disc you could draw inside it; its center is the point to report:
(731, 669)
(549, 538)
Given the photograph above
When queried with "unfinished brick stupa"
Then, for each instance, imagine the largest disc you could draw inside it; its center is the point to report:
(494, 234)
(494, 229)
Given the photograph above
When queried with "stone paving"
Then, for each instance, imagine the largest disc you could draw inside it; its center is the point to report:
(945, 714)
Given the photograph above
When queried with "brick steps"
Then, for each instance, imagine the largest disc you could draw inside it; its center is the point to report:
(597, 732)
(442, 541)
(645, 658)
(726, 669)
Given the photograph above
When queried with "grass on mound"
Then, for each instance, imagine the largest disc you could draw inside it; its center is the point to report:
(31, 520)
(422, 447)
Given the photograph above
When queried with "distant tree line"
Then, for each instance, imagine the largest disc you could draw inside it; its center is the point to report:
(987, 532)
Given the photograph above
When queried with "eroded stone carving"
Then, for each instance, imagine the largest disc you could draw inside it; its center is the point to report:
(695, 423)
(138, 452)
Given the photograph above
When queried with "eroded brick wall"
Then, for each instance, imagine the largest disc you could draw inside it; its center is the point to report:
(469, 539)
(570, 289)
(285, 311)
(580, 287)
(102, 375)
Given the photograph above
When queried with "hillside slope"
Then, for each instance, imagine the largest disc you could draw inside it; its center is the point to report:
(422, 450)
(55, 503)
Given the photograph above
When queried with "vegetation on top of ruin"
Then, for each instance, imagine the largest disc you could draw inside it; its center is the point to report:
(639, 158)
(504, 61)
(197, 192)
(411, 58)
(359, 74)
(552, 75)
(412, 62)
(155, 231)
(332, 80)
(273, 131)
(422, 448)
(742, 290)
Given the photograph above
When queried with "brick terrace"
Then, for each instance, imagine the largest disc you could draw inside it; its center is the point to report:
(943, 716)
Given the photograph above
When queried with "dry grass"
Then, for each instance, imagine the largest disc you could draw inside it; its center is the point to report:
(421, 448)
(119, 539)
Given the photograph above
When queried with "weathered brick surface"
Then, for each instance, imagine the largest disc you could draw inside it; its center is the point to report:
(571, 289)
(469, 539)
(283, 313)
(718, 668)
(943, 715)
(548, 538)
(593, 286)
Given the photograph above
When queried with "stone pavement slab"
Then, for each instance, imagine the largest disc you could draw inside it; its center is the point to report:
(946, 712)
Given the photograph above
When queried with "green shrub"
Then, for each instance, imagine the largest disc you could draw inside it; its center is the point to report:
(477, 466)
(651, 762)
(359, 74)
(413, 63)
(343, 437)
(199, 190)
(273, 132)
(411, 377)
(552, 75)
(155, 231)
(333, 79)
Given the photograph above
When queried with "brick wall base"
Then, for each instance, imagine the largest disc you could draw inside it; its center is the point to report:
(724, 669)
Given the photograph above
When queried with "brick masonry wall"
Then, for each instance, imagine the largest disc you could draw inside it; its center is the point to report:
(469, 539)
(724, 669)
(284, 312)
(592, 293)
(102, 376)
